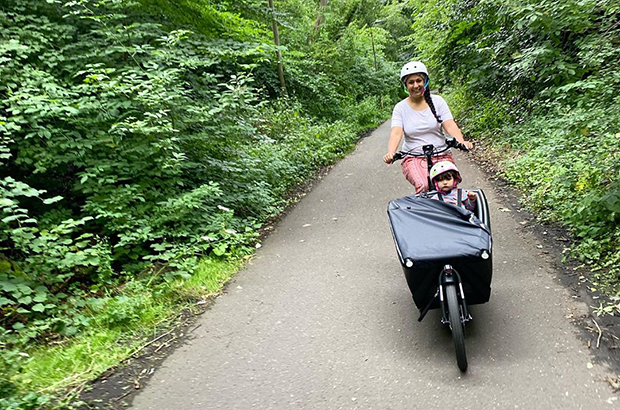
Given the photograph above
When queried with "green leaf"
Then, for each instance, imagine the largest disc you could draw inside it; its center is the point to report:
(220, 250)
(52, 200)
(6, 202)
(25, 300)
(11, 218)
(7, 286)
(39, 307)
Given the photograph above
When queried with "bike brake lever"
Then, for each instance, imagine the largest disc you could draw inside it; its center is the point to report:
(453, 143)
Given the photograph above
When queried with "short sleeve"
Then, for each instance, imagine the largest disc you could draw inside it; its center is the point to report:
(397, 117)
(441, 106)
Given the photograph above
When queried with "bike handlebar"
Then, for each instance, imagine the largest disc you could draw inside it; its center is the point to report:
(451, 142)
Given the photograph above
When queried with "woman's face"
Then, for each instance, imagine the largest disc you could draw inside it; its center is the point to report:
(415, 84)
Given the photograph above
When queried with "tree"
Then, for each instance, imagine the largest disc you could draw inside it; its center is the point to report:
(319, 20)
(276, 40)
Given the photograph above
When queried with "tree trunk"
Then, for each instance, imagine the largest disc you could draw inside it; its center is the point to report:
(276, 40)
(318, 21)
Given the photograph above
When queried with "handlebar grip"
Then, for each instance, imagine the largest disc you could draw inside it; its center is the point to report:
(453, 143)
(398, 156)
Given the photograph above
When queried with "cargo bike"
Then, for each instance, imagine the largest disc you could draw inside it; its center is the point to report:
(445, 252)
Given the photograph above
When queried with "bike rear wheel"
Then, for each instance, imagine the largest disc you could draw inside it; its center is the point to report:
(457, 326)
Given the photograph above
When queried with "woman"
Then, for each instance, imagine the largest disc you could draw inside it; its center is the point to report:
(420, 117)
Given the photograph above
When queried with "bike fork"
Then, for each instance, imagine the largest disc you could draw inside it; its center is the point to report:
(450, 275)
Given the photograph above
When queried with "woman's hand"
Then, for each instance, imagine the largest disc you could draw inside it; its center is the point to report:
(388, 158)
(468, 144)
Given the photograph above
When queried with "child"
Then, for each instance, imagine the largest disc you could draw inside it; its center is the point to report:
(445, 177)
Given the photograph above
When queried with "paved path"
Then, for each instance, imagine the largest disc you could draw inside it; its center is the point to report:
(322, 318)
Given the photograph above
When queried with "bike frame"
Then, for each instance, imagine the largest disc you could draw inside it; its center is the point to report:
(428, 153)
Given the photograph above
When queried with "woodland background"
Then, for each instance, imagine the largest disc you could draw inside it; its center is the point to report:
(144, 145)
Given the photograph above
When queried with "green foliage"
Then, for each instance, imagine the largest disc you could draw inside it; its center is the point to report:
(539, 79)
(112, 136)
(137, 137)
(207, 17)
(570, 175)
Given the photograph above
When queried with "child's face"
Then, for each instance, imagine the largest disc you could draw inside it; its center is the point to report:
(445, 182)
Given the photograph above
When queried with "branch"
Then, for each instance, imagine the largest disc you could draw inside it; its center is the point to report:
(600, 334)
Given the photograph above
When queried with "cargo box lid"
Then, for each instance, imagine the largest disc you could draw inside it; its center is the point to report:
(429, 230)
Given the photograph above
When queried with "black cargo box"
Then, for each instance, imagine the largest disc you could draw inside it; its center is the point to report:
(430, 234)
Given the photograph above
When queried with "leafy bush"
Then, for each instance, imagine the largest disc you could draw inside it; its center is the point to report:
(139, 137)
(115, 138)
(539, 78)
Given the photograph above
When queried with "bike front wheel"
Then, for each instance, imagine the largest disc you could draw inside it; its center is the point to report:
(456, 325)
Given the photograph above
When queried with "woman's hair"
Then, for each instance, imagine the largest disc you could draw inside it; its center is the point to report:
(429, 101)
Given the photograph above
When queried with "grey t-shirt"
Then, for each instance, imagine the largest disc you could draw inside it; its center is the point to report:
(421, 127)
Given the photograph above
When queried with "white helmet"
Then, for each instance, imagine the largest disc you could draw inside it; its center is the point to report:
(442, 167)
(413, 68)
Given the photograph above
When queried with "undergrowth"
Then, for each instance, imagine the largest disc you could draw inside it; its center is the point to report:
(119, 326)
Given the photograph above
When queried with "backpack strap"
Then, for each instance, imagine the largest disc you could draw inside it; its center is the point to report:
(459, 200)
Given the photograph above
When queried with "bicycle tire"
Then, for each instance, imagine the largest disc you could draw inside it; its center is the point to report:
(457, 326)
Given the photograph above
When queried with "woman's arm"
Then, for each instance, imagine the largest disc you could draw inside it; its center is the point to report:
(452, 129)
(396, 135)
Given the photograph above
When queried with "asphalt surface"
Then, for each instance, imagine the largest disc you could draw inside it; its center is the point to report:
(321, 318)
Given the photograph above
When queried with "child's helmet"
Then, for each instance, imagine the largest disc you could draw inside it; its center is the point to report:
(414, 67)
(443, 167)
